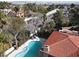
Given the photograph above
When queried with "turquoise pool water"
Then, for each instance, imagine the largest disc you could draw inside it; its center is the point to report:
(32, 50)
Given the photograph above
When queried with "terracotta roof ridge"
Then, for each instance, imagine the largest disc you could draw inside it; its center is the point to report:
(72, 42)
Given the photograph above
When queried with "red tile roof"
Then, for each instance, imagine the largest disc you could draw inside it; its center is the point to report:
(55, 37)
(62, 44)
(63, 48)
(74, 39)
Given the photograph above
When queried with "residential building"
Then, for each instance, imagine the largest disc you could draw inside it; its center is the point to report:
(6, 11)
(33, 23)
(62, 45)
(12, 13)
(50, 14)
(20, 14)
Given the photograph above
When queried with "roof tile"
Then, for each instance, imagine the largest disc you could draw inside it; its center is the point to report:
(63, 48)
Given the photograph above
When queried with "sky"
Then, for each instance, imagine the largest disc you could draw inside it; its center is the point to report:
(43, 1)
(39, 0)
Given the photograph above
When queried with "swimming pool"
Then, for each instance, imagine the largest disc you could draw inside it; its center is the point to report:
(32, 50)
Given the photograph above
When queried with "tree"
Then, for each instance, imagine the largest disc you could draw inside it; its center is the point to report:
(50, 26)
(16, 9)
(35, 8)
(2, 15)
(5, 42)
(64, 20)
(25, 7)
(23, 36)
(16, 24)
(16, 29)
(46, 30)
(74, 15)
(4, 5)
(51, 7)
(2, 22)
(60, 20)
(57, 19)
(72, 5)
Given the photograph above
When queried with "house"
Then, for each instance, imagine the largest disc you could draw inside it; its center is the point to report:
(55, 37)
(20, 14)
(12, 13)
(33, 14)
(61, 45)
(6, 11)
(50, 14)
(63, 48)
(33, 23)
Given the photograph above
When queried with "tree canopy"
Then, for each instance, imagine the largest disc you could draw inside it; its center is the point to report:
(74, 15)
(4, 5)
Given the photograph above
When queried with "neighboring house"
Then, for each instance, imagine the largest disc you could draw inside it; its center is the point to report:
(61, 45)
(20, 14)
(50, 14)
(6, 11)
(33, 23)
(76, 28)
(33, 14)
(11, 13)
